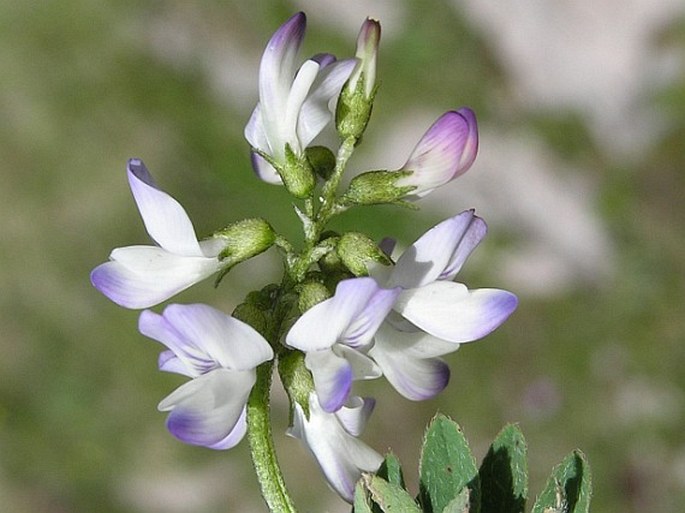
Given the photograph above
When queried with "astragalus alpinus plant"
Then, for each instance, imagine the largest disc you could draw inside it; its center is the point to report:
(346, 308)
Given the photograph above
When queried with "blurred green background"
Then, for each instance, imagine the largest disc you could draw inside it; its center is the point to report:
(580, 176)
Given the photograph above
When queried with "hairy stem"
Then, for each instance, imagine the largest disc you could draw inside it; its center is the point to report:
(260, 437)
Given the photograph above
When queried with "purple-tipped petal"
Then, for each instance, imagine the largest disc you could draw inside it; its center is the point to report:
(450, 311)
(470, 151)
(471, 237)
(442, 248)
(276, 73)
(235, 436)
(367, 54)
(341, 457)
(414, 378)
(229, 342)
(265, 171)
(445, 152)
(205, 410)
(332, 378)
(144, 276)
(165, 219)
(364, 325)
(408, 362)
(329, 321)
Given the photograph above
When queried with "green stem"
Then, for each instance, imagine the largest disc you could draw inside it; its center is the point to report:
(331, 187)
(329, 207)
(260, 437)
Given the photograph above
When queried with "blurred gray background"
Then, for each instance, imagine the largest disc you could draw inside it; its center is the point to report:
(580, 176)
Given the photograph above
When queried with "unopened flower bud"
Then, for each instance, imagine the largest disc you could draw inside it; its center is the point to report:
(356, 98)
(356, 251)
(446, 151)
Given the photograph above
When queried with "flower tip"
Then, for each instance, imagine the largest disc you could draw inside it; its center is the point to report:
(370, 31)
(137, 170)
(294, 27)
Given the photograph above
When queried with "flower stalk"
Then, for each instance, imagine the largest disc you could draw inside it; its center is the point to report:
(262, 449)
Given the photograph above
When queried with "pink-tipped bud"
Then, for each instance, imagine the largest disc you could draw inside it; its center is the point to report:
(446, 151)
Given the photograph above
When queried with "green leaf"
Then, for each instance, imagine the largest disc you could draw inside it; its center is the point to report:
(460, 504)
(504, 473)
(391, 470)
(361, 499)
(568, 489)
(389, 496)
(447, 466)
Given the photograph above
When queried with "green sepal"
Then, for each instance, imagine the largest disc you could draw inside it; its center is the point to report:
(447, 467)
(311, 293)
(331, 262)
(353, 111)
(297, 380)
(504, 473)
(568, 489)
(388, 496)
(253, 315)
(322, 160)
(378, 187)
(356, 251)
(297, 174)
(241, 241)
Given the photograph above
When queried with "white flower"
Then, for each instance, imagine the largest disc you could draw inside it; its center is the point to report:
(143, 276)
(293, 104)
(333, 332)
(220, 354)
(331, 438)
(433, 315)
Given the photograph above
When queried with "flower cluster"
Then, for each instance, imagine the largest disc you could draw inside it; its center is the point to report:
(347, 309)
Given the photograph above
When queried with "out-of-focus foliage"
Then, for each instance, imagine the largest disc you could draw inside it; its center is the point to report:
(85, 85)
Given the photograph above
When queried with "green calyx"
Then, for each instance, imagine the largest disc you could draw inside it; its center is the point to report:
(321, 160)
(297, 174)
(243, 240)
(378, 187)
(354, 110)
(357, 251)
